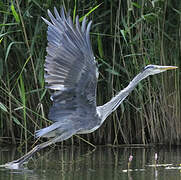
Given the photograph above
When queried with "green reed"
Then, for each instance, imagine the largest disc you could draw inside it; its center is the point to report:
(125, 35)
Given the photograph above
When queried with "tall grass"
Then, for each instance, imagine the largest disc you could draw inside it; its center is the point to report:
(126, 35)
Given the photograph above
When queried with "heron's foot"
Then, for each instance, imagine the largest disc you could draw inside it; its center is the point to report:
(16, 164)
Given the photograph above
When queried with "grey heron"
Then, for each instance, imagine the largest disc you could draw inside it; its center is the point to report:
(72, 74)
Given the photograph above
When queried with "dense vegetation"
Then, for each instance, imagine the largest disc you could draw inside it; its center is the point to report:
(126, 35)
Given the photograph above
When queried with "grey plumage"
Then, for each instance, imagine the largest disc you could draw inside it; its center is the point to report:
(71, 72)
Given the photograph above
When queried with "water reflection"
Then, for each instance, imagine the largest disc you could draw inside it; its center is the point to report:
(101, 163)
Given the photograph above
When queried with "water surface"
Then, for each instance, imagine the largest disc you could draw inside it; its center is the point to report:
(102, 163)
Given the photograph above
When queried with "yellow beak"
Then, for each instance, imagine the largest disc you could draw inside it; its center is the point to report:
(168, 67)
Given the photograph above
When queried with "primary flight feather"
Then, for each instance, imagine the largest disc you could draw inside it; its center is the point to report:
(70, 70)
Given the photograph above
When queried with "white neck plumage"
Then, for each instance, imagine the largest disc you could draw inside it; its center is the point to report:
(105, 110)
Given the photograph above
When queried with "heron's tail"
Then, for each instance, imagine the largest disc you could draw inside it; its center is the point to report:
(49, 131)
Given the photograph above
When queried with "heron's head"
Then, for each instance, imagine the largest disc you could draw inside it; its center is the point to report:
(155, 69)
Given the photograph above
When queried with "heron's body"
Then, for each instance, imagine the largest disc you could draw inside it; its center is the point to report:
(71, 72)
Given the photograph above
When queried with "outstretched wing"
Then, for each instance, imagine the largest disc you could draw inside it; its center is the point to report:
(70, 70)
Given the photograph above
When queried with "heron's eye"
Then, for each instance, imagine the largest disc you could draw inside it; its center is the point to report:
(148, 67)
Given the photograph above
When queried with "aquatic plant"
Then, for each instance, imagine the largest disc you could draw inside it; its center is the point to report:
(130, 35)
(129, 161)
(156, 158)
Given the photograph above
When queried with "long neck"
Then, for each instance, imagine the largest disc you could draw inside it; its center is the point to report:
(112, 105)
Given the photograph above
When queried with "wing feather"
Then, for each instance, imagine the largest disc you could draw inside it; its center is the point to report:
(70, 70)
